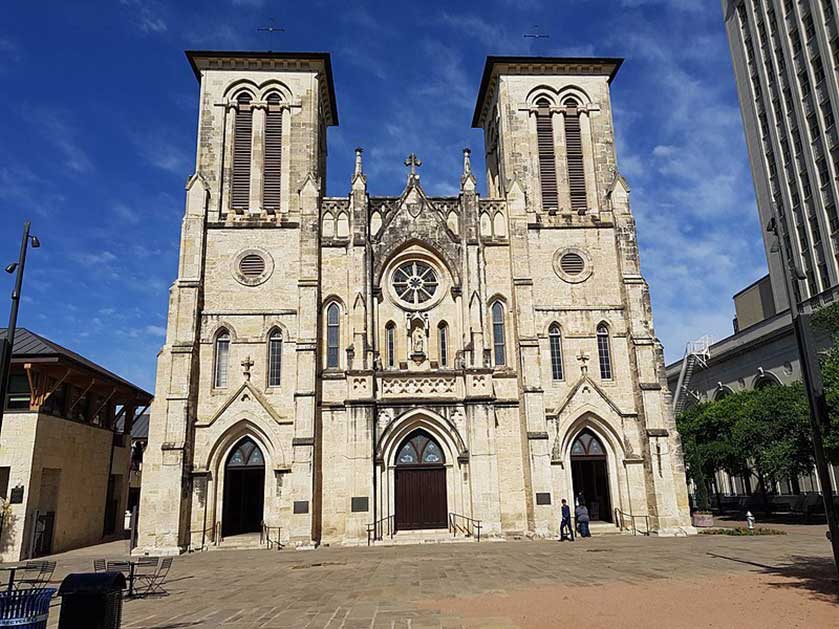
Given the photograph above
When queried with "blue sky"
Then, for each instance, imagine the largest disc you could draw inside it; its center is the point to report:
(98, 137)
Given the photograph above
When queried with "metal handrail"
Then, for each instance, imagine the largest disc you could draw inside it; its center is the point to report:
(376, 530)
(471, 527)
(203, 545)
(621, 515)
(265, 536)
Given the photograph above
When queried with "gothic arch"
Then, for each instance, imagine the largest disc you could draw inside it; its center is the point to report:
(577, 93)
(421, 248)
(275, 326)
(542, 92)
(442, 429)
(273, 86)
(227, 441)
(239, 86)
(765, 379)
(602, 429)
(217, 328)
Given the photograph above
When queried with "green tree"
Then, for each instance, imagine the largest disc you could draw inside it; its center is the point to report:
(826, 320)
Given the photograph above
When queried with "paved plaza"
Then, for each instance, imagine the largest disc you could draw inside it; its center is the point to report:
(612, 580)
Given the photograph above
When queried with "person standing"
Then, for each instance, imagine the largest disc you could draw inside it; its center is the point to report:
(566, 530)
(581, 513)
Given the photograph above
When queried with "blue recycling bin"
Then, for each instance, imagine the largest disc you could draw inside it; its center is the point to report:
(26, 608)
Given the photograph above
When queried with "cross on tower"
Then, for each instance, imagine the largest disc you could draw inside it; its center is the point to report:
(247, 364)
(583, 358)
(413, 163)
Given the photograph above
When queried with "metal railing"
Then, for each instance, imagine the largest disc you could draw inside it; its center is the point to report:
(470, 527)
(213, 533)
(378, 529)
(626, 522)
(267, 537)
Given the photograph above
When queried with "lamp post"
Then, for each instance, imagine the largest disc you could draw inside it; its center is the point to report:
(811, 375)
(9, 340)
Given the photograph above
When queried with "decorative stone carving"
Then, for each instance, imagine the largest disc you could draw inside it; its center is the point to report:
(421, 385)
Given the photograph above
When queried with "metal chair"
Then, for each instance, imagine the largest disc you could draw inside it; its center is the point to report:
(99, 565)
(155, 583)
(36, 574)
(145, 570)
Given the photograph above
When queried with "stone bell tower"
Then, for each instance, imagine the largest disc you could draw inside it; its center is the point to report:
(239, 364)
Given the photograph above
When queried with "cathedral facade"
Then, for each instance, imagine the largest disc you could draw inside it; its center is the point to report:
(344, 369)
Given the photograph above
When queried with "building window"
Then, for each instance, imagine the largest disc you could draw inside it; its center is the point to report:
(18, 397)
(390, 344)
(242, 131)
(574, 156)
(415, 282)
(271, 188)
(443, 340)
(333, 335)
(603, 352)
(222, 360)
(555, 338)
(275, 358)
(498, 342)
(547, 156)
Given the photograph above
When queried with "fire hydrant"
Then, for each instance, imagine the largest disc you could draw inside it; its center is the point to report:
(750, 520)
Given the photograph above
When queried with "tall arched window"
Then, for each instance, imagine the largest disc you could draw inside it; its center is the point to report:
(242, 131)
(604, 352)
(443, 343)
(271, 188)
(555, 338)
(547, 155)
(221, 359)
(333, 335)
(390, 344)
(499, 344)
(275, 358)
(574, 156)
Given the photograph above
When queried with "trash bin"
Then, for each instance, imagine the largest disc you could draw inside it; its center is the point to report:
(26, 609)
(92, 600)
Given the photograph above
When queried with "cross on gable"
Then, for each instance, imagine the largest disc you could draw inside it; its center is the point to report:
(583, 358)
(413, 163)
(247, 364)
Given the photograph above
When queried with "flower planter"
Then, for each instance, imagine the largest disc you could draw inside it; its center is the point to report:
(703, 520)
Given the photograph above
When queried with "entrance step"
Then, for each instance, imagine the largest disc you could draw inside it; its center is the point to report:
(604, 528)
(244, 541)
(424, 536)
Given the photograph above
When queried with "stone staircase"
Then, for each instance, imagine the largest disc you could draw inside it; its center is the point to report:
(424, 536)
(245, 541)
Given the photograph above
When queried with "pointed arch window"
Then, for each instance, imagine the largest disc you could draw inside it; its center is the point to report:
(271, 187)
(390, 344)
(499, 344)
(275, 358)
(420, 449)
(555, 339)
(443, 343)
(221, 359)
(574, 156)
(242, 132)
(246, 454)
(547, 155)
(333, 335)
(604, 352)
(587, 446)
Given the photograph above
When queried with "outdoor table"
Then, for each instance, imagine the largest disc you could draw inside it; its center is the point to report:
(132, 566)
(11, 569)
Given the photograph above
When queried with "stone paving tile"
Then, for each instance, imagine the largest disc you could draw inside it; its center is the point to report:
(396, 586)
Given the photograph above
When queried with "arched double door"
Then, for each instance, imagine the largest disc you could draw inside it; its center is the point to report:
(590, 475)
(420, 484)
(244, 489)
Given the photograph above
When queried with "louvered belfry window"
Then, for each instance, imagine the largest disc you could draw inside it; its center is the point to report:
(574, 157)
(242, 131)
(271, 192)
(547, 155)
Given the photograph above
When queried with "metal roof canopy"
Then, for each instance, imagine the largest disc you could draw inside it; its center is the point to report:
(609, 66)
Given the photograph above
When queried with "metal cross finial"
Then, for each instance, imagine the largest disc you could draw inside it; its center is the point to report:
(413, 163)
(583, 358)
(247, 364)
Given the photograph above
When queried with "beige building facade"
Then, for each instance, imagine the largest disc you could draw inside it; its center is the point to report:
(410, 361)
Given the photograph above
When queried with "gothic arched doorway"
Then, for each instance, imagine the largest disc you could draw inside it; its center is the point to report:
(244, 489)
(420, 484)
(590, 475)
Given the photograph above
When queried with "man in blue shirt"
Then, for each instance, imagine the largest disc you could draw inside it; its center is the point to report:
(566, 531)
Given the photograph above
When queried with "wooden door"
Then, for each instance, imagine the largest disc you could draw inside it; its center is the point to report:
(421, 498)
(243, 501)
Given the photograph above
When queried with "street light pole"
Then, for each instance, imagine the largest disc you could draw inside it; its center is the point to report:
(9, 340)
(811, 375)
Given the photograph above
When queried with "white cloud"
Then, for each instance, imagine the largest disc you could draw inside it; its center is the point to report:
(145, 14)
(155, 330)
(55, 127)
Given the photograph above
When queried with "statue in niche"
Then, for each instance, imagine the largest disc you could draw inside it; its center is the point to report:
(419, 342)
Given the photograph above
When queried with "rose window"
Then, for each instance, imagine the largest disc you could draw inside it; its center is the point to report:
(415, 282)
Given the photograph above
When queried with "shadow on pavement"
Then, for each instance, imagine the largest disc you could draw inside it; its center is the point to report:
(817, 575)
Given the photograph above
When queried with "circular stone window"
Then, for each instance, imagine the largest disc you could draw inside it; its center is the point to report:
(414, 282)
(252, 267)
(572, 265)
